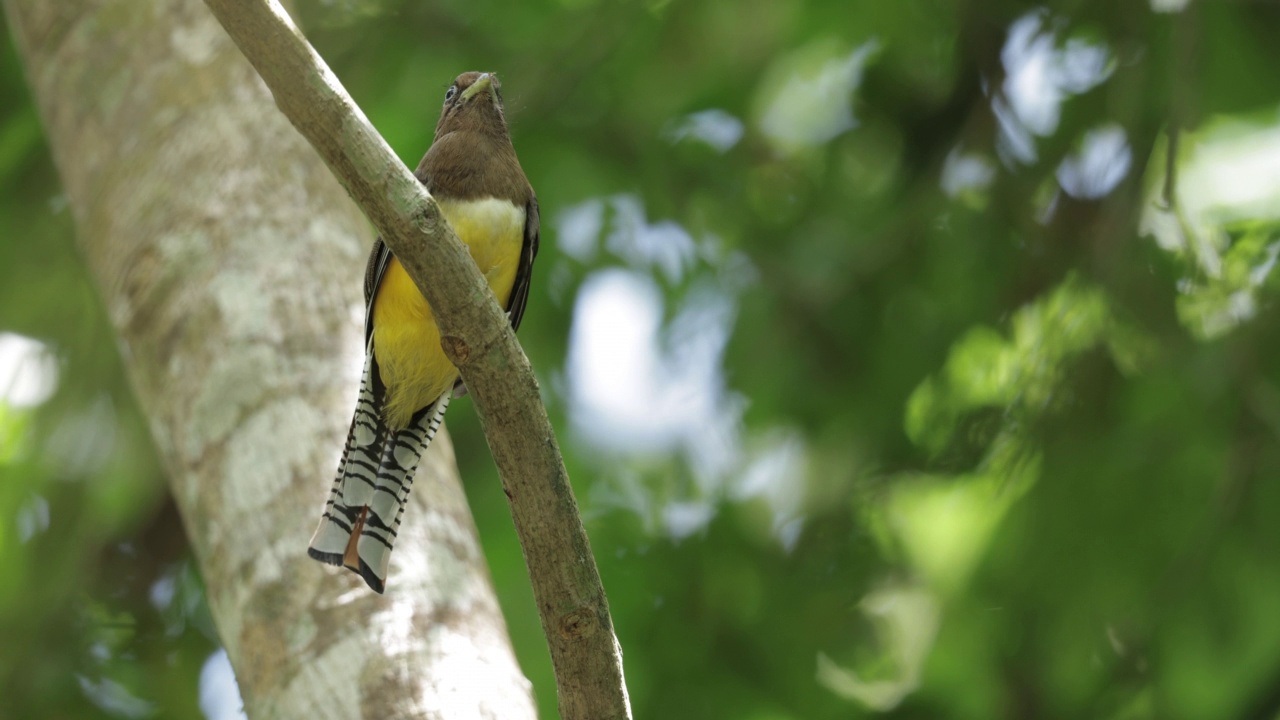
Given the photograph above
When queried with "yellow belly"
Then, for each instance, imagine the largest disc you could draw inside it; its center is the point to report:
(406, 341)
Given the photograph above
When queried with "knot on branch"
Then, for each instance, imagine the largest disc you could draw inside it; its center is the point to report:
(428, 215)
(455, 348)
(578, 624)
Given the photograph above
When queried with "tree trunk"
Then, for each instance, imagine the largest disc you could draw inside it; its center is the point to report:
(231, 264)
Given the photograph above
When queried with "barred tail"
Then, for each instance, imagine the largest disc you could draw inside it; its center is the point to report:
(362, 516)
(400, 456)
(354, 484)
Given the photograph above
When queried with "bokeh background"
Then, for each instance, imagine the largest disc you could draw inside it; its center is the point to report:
(912, 359)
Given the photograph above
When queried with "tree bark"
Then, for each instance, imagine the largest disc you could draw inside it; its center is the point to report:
(476, 337)
(231, 264)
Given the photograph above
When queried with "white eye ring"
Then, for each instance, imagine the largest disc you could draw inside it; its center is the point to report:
(448, 94)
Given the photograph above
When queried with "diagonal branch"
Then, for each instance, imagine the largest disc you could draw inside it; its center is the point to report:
(476, 337)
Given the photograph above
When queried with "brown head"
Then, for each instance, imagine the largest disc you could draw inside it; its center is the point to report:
(472, 156)
(473, 102)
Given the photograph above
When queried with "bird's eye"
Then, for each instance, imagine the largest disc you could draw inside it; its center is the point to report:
(448, 94)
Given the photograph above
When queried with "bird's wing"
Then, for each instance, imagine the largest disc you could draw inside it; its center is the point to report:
(520, 290)
(379, 259)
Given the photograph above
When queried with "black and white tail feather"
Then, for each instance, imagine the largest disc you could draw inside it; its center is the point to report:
(362, 515)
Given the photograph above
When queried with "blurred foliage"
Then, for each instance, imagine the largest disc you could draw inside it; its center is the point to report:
(959, 393)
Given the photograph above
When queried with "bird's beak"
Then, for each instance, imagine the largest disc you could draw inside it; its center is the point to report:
(482, 83)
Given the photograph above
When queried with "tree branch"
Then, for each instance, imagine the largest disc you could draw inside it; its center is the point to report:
(477, 338)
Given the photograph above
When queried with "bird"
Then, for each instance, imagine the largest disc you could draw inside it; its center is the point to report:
(472, 171)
